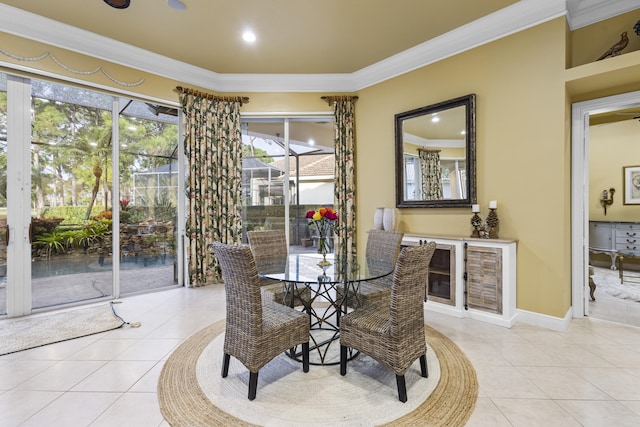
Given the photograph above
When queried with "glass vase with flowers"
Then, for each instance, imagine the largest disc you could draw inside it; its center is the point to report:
(321, 221)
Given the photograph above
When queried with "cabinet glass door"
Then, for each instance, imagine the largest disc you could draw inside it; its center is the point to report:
(441, 284)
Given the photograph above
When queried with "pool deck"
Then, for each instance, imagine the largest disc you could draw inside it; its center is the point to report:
(55, 291)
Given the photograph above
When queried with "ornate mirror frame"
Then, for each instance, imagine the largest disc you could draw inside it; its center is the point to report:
(414, 140)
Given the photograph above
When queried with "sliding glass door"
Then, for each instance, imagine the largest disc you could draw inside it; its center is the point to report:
(71, 172)
(88, 195)
(288, 168)
(148, 202)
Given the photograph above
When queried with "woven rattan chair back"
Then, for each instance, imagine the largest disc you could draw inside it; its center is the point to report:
(256, 330)
(269, 249)
(243, 298)
(406, 309)
(393, 334)
(383, 247)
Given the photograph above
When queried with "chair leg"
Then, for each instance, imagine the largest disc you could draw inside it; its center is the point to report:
(402, 388)
(305, 357)
(225, 365)
(343, 360)
(423, 366)
(253, 384)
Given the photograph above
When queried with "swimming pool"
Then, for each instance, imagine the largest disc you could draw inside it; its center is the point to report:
(91, 264)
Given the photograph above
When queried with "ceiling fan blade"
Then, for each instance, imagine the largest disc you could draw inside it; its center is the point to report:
(177, 5)
(118, 4)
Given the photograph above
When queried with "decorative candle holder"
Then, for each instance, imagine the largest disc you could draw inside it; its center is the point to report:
(492, 224)
(476, 223)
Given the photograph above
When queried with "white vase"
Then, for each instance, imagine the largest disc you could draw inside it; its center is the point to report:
(389, 219)
(378, 218)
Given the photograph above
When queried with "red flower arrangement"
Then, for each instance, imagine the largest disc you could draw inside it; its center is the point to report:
(321, 220)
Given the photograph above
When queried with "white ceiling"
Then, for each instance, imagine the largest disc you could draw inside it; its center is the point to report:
(310, 45)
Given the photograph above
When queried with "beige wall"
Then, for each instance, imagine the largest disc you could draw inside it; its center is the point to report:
(611, 147)
(522, 153)
(522, 140)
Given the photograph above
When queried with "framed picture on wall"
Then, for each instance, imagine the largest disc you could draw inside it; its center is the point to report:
(631, 180)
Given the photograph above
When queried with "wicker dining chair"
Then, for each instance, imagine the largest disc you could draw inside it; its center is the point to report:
(382, 252)
(393, 334)
(269, 249)
(257, 330)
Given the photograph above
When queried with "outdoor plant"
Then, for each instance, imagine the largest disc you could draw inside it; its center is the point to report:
(124, 204)
(54, 242)
(44, 225)
(91, 232)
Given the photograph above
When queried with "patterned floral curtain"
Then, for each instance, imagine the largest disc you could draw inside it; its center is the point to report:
(345, 174)
(431, 174)
(213, 147)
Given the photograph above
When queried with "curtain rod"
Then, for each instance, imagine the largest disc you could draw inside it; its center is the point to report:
(240, 99)
(331, 99)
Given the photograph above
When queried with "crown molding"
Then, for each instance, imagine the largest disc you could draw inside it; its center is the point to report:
(517, 17)
(581, 13)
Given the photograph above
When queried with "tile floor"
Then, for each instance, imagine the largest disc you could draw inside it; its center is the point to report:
(528, 376)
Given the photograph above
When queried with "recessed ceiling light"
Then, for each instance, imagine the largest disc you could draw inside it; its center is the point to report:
(311, 141)
(435, 119)
(249, 37)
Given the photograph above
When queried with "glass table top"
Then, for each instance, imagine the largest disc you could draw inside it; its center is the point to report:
(304, 268)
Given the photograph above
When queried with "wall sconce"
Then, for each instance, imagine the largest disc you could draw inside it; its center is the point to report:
(605, 200)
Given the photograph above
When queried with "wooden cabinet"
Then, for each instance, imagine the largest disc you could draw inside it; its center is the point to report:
(471, 277)
(484, 278)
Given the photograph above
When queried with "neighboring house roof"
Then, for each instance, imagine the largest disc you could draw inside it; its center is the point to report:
(311, 165)
(168, 168)
(252, 163)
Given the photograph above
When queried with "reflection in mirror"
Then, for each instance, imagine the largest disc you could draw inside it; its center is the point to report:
(435, 155)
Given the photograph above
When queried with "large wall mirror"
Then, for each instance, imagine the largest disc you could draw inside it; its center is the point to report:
(436, 155)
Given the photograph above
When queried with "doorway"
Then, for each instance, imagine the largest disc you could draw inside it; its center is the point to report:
(580, 179)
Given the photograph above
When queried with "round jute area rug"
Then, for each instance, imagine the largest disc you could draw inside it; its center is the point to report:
(191, 391)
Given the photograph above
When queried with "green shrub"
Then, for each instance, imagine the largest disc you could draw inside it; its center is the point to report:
(71, 214)
(55, 242)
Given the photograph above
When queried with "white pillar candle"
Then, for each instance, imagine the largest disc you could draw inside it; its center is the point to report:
(493, 204)
(475, 208)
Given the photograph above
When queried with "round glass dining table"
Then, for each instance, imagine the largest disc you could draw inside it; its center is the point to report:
(324, 292)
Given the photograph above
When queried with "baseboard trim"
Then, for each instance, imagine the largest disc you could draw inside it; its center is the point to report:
(546, 321)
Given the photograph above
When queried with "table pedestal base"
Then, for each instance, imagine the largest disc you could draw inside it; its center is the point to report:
(324, 311)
